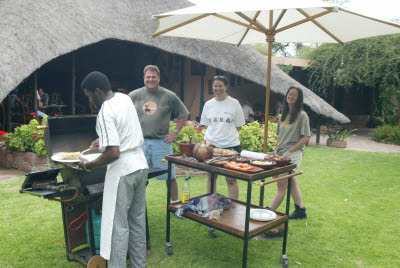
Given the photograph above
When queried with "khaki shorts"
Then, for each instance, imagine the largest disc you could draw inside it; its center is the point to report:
(296, 157)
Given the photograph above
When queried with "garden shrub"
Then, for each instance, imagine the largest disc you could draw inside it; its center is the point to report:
(27, 138)
(251, 137)
(387, 134)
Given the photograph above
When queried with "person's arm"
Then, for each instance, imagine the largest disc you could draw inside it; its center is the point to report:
(170, 137)
(95, 145)
(108, 156)
(299, 144)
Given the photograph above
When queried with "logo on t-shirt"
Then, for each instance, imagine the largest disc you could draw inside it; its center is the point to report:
(149, 107)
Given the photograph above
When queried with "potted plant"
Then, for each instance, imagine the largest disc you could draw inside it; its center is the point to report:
(338, 138)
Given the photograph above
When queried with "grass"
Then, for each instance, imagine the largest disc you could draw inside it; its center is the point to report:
(352, 201)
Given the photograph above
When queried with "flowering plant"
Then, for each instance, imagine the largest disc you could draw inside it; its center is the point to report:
(2, 133)
(185, 133)
(27, 138)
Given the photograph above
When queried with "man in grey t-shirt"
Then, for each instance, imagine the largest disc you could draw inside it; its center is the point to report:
(155, 107)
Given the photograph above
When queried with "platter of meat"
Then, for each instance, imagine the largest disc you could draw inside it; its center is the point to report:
(244, 167)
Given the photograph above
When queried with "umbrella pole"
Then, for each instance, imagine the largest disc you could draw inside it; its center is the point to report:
(270, 39)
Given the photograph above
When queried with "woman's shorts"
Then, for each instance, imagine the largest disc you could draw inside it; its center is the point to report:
(296, 157)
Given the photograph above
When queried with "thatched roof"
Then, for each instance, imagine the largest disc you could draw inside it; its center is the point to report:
(33, 32)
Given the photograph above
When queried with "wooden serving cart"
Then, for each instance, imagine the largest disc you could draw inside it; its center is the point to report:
(235, 220)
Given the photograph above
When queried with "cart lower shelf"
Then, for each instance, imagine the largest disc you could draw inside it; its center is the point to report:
(232, 221)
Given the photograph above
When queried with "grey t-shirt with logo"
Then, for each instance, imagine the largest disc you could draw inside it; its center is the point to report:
(156, 109)
(290, 134)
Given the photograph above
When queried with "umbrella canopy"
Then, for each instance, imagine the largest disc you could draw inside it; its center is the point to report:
(257, 21)
(247, 22)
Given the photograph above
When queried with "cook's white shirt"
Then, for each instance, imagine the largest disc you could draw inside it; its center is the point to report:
(118, 125)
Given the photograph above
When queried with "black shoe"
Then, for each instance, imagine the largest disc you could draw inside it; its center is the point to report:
(299, 213)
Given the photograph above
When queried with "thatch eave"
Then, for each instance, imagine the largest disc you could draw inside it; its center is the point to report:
(36, 32)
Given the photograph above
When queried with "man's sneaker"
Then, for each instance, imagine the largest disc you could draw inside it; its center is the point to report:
(299, 213)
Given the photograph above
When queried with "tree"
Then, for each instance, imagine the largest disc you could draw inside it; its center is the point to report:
(372, 62)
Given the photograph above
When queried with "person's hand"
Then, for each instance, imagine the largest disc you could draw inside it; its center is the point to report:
(291, 150)
(95, 145)
(170, 137)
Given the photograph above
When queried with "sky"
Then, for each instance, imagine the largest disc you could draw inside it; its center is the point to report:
(379, 9)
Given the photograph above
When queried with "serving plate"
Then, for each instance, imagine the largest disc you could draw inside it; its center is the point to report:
(90, 157)
(259, 214)
(253, 170)
(280, 160)
(264, 166)
(55, 158)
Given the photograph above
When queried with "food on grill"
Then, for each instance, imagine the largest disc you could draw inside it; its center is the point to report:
(72, 155)
(202, 151)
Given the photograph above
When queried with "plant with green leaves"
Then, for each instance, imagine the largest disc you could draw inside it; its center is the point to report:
(340, 135)
(27, 138)
(387, 134)
(251, 137)
(186, 132)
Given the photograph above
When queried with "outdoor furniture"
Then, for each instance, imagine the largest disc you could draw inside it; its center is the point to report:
(235, 220)
(29, 107)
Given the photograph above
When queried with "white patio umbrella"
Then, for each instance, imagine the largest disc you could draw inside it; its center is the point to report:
(258, 21)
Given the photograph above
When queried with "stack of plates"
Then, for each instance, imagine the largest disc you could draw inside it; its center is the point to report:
(262, 215)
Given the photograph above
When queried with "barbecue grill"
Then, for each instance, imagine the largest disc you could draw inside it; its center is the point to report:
(77, 190)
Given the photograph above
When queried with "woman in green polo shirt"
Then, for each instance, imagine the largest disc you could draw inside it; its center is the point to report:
(293, 133)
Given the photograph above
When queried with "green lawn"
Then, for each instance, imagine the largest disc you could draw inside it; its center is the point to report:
(352, 201)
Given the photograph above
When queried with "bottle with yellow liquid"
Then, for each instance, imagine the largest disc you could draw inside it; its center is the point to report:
(185, 191)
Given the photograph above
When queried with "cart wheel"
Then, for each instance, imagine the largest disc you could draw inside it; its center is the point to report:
(97, 262)
(211, 233)
(284, 260)
(168, 249)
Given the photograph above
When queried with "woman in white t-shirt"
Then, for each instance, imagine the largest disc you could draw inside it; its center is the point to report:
(223, 117)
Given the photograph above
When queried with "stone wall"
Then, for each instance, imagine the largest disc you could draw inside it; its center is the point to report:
(25, 161)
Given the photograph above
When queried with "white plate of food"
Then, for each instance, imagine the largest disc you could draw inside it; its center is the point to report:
(91, 157)
(66, 157)
(262, 215)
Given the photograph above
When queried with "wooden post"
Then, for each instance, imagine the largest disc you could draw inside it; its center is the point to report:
(35, 99)
(203, 71)
(182, 82)
(8, 113)
(270, 40)
(73, 85)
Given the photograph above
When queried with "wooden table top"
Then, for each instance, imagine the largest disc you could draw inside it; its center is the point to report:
(179, 159)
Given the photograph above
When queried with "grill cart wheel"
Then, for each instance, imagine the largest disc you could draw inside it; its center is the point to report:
(211, 233)
(284, 260)
(97, 262)
(168, 249)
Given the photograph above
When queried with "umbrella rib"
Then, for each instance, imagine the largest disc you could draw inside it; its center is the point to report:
(303, 21)
(320, 26)
(247, 30)
(181, 24)
(382, 21)
(278, 20)
(237, 22)
(256, 23)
